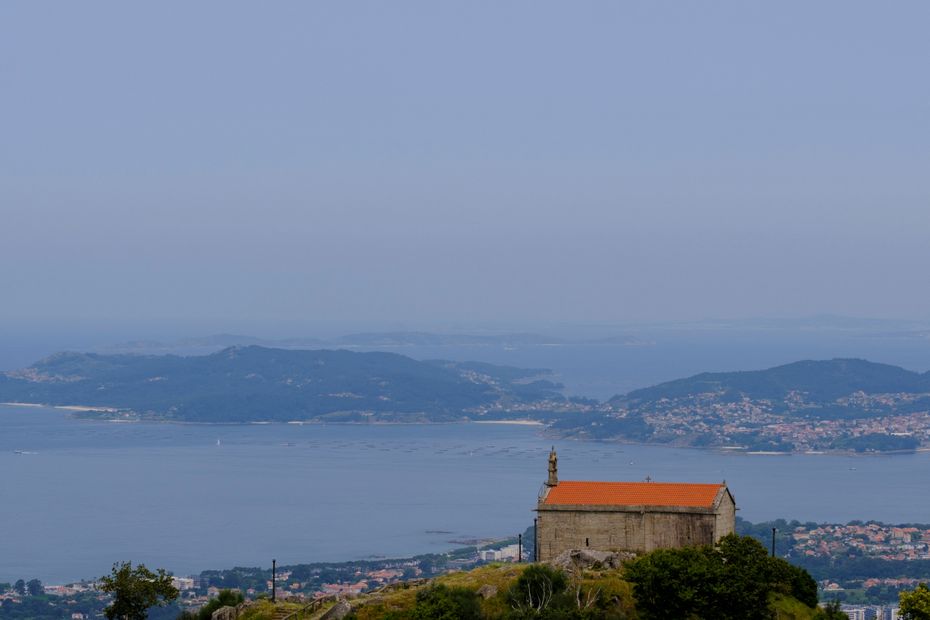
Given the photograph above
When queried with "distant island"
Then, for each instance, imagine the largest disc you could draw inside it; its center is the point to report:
(842, 404)
(257, 384)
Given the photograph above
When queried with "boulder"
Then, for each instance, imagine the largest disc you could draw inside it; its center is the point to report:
(225, 613)
(487, 591)
(581, 559)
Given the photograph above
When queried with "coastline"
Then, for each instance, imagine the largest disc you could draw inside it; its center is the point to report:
(64, 407)
(738, 451)
(131, 416)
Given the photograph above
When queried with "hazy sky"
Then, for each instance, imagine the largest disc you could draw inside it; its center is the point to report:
(430, 161)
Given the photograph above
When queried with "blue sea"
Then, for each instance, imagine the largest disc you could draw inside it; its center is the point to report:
(76, 496)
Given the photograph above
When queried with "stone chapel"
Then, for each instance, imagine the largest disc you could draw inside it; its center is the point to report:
(629, 516)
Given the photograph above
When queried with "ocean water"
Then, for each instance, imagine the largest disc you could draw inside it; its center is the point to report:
(76, 496)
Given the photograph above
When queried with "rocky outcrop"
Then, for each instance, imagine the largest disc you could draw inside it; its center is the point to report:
(575, 560)
(487, 591)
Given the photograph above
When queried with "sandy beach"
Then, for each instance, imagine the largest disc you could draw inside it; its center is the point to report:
(64, 407)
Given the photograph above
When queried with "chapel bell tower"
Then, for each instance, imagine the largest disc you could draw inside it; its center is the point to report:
(553, 469)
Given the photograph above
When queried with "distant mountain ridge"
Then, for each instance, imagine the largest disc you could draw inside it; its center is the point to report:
(364, 340)
(255, 383)
(820, 380)
(849, 404)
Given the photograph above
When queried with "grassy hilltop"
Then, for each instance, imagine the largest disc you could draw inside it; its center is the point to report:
(736, 579)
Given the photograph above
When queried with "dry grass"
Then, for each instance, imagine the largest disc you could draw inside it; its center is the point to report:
(592, 587)
(789, 608)
(499, 576)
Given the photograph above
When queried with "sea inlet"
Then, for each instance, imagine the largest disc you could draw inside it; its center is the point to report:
(77, 496)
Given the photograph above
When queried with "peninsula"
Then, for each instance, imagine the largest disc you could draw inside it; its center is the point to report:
(808, 406)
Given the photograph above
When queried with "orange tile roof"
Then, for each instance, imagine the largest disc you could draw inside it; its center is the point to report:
(583, 493)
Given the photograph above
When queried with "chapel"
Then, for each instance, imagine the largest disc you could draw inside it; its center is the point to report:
(629, 516)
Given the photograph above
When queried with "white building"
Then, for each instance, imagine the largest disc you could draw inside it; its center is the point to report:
(183, 583)
(510, 553)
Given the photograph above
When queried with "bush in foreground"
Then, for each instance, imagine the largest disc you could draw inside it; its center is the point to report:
(915, 604)
(441, 602)
(734, 579)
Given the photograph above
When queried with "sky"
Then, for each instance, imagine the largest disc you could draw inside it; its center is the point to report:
(429, 162)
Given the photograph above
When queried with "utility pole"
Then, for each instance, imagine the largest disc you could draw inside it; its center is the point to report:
(519, 547)
(774, 529)
(274, 580)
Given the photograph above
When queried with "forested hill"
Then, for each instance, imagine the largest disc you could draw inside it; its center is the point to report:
(815, 381)
(254, 383)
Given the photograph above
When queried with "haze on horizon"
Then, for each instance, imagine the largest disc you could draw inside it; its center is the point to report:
(425, 162)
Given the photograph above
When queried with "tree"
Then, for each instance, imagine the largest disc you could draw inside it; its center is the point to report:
(746, 577)
(732, 580)
(800, 583)
(915, 604)
(135, 590)
(672, 583)
(34, 587)
(226, 598)
(20, 587)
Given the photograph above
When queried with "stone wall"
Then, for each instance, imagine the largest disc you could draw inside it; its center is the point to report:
(562, 528)
(726, 518)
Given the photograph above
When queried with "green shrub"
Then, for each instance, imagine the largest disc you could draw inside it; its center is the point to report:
(732, 580)
(226, 598)
(440, 602)
(540, 591)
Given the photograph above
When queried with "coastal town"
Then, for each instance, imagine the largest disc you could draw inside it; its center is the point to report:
(306, 582)
(876, 540)
(858, 423)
